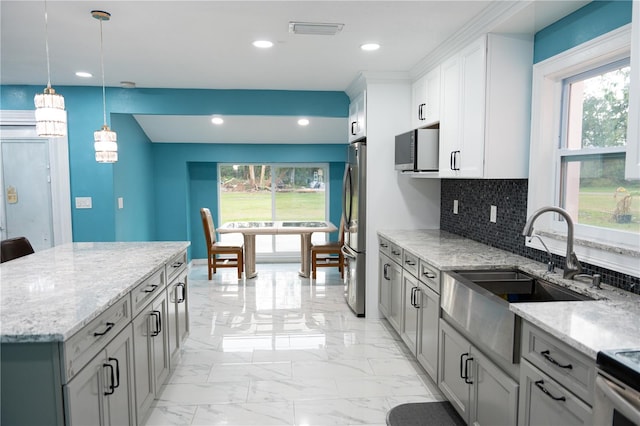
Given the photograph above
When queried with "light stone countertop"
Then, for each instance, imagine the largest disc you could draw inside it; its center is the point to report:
(610, 322)
(49, 295)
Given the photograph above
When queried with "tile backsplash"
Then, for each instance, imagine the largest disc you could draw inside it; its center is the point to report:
(476, 196)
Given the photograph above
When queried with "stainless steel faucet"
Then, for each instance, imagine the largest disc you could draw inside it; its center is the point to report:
(572, 266)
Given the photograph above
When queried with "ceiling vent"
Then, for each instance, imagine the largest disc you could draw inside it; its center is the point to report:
(314, 28)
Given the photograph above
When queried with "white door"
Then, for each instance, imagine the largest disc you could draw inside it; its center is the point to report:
(26, 190)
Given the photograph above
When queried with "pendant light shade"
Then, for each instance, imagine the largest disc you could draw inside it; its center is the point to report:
(106, 145)
(105, 140)
(51, 118)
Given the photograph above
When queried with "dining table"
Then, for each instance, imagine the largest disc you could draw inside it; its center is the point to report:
(250, 229)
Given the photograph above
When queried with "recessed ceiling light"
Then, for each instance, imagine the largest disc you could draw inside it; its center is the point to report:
(303, 122)
(263, 44)
(370, 46)
(217, 120)
(84, 74)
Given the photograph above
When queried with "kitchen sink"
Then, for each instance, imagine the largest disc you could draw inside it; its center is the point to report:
(516, 287)
(476, 302)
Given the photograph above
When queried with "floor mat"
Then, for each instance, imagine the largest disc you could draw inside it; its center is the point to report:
(424, 414)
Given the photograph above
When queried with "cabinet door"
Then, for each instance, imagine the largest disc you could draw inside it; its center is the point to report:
(85, 394)
(395, 301)
(160, 340)
(358, 117)
(449, 116)
(473, 88)
(494, 395)
(384, 284)
(178, 325)
(142, 356)
(427, 348)
(432, 108)
(453, 366)
(410, 305)
(418, 102)
(120, 405)
(545, 402)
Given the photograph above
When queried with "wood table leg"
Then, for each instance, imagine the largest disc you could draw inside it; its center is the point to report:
(249, 255)
(305, 249)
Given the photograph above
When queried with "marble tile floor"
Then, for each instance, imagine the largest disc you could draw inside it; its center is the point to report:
(279, 350)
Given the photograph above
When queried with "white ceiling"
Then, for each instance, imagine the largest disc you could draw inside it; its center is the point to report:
(207, 44)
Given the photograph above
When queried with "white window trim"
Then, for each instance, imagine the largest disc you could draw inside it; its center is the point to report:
(545, 140)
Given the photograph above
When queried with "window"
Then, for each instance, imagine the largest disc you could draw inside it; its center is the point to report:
(579, 142)
(273, 192)
(592, 187)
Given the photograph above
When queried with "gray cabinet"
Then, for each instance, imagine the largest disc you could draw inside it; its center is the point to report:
(479, 390)
(557, 383)
(428, 319)
(411, 296)
(151, 353)
(543, 401)
(177, 315)
(102, 392)
(390, 283)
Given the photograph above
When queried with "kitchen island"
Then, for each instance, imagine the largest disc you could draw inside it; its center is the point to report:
(69, 317)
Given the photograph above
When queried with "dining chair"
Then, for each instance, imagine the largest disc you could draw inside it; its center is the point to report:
(329, 255)
(14, 248)
(231, 256)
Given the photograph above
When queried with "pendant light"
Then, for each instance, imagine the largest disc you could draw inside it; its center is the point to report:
(51, 118)
(105, 139)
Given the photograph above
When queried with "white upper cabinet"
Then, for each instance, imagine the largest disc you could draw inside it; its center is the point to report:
(632, 169)
(358, 117)
(485, 109)
(425, 99)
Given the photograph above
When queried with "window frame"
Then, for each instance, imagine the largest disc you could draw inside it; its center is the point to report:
(607, 249)
(275, 255)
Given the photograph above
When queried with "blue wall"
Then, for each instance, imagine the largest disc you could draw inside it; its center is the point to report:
(154, 179)
(588, 22)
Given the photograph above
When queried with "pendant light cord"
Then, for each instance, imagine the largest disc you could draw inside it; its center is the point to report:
(104, 102)
(46, 43)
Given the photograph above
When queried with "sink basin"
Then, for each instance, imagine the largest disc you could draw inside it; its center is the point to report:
(477, 304)
(515, 286)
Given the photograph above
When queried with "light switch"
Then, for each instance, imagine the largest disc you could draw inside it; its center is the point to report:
(83, 202)
(455, 206)
(120, 202)
(494, 214)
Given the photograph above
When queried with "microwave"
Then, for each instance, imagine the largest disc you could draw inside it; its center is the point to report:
(417, 150)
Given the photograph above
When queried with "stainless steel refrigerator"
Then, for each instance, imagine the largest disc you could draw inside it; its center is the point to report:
(354, 211)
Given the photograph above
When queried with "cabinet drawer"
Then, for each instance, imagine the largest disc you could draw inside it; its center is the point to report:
(86, 343)
(545, 401)
(395, 253)
(429, 276)
(384, 246)
(410, 263)
(564, 364)
(146, 291)
(176, 265)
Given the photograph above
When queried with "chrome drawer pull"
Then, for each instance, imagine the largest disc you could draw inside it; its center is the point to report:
(177, 265)
(395, 253)
(428, 274)
(544, 390)
(410, 263)
(553, 361)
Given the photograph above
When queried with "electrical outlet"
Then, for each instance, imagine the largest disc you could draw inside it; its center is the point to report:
(83, 202)
(493, 215)
(455, 206)
(120, 202)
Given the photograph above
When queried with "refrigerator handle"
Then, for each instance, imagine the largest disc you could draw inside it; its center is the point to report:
(346, 204)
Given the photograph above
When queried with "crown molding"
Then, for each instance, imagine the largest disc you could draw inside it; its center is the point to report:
(359, 84)
(491, 17)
